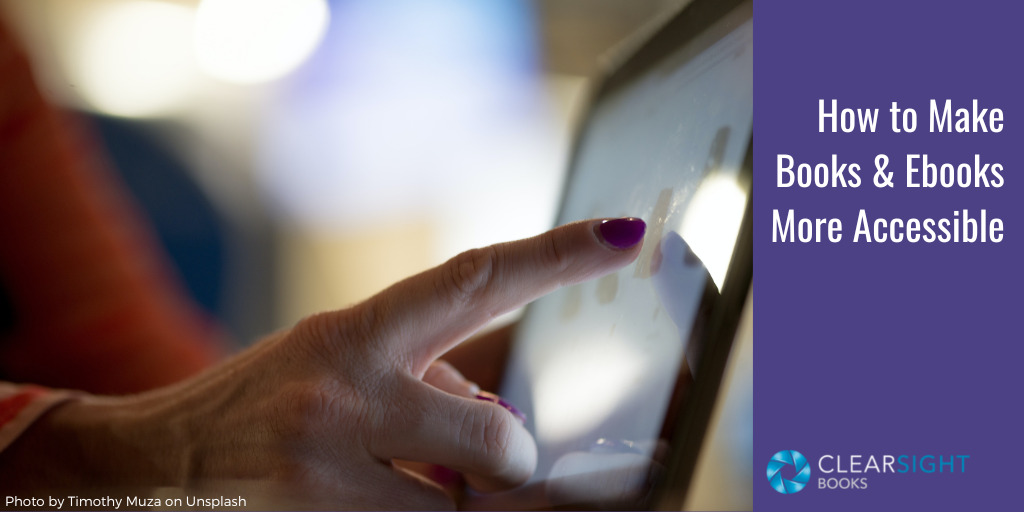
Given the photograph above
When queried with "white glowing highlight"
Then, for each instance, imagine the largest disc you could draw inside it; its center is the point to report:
(711, 223)
(576, 390)
(132, 58)
(252, 41)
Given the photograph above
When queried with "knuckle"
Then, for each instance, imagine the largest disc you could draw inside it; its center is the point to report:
(317, 326)
(361, 324)
(368, 318)
(319, 335)
(556, 255)
(343, 337)
(308, 344)
(367, 328)
(470, 275)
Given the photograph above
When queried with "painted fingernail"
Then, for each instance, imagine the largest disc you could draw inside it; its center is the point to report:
(447, 478)
(491, 397)
(621, 233)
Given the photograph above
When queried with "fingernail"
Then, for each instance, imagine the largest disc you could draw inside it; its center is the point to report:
(621, 233)
(447, 478)
(491, 397)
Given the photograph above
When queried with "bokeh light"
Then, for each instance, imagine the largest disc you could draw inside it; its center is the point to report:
(132, 58)
(712, 222)
(252, 41)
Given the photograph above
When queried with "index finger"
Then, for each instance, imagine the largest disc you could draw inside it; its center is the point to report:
(420, 318)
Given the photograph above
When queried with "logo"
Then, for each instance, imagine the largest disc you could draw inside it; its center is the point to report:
(781, 462)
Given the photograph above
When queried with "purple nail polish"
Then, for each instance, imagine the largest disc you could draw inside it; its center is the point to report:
(491, 397)
(487, 396)
(514, 410)
(621, 233)
(447, 478)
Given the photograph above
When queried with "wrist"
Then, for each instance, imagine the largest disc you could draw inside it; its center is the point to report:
(95, 442)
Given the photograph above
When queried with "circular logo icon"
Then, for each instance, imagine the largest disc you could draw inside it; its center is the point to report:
(790, 462)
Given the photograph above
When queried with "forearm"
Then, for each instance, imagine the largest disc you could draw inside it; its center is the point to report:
(83, 441)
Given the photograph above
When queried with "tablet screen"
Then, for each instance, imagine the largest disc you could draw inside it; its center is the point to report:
(596, 366)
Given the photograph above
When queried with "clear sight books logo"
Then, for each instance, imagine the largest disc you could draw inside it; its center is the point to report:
(794, 463)
(789, 471)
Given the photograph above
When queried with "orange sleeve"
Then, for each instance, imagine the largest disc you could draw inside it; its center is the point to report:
(21, 405)
(90, 303)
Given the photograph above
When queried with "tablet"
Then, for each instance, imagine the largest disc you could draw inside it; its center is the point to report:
(618, 376)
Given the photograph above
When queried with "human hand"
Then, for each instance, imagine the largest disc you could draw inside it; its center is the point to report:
(326, 406)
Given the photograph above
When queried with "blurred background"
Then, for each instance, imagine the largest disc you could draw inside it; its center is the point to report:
(301, 155)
